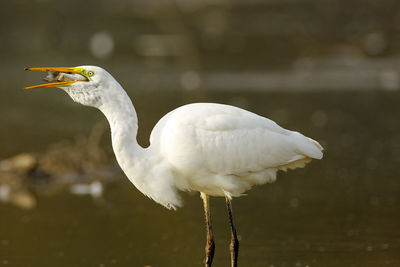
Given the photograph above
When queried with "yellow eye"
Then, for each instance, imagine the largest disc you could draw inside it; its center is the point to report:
(90, 73)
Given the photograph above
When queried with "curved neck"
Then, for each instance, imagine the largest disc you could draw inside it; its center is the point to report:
(123, 121)
(143, 167)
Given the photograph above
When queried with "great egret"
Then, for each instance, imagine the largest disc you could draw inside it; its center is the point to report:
(216, 149)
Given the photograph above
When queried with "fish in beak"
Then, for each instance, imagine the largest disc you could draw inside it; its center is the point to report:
(61, 76)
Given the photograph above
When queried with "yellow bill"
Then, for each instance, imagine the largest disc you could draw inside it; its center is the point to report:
(60, 82)
(57, 84)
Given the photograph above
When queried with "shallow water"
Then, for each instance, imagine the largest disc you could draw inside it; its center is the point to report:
(340, 211)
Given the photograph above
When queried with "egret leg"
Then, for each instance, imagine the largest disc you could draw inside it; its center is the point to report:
(210, 245)
(234, 245)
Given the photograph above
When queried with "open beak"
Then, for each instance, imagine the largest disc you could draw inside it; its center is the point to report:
(66, 70)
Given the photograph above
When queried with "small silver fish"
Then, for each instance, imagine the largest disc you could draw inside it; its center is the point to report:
(53, 76)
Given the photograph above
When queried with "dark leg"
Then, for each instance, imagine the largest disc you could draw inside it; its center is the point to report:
(210, 246)
(234, 246)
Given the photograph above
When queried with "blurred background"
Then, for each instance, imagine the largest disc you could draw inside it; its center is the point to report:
(329, 69)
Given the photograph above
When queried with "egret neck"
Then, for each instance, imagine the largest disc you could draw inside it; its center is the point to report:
(121, 115)
(144, 167)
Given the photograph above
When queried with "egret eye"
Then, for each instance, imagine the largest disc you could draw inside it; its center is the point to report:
(90, 73)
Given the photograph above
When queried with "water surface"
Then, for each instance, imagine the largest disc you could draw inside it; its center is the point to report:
(340, 211)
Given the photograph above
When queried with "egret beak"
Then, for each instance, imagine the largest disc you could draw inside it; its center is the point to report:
(67, 70)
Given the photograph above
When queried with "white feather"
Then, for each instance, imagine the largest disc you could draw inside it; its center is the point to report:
(220, 148)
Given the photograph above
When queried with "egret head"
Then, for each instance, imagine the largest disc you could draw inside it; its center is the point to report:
(87, 85)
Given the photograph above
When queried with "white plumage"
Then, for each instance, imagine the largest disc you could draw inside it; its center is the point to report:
(216, 149)
(224, 150)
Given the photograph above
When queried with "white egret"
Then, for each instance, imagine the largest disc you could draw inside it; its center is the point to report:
(216, 149)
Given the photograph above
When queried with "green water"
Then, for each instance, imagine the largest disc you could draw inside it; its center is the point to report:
(340, 211)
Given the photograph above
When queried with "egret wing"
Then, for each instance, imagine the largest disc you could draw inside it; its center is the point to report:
(226, 140)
